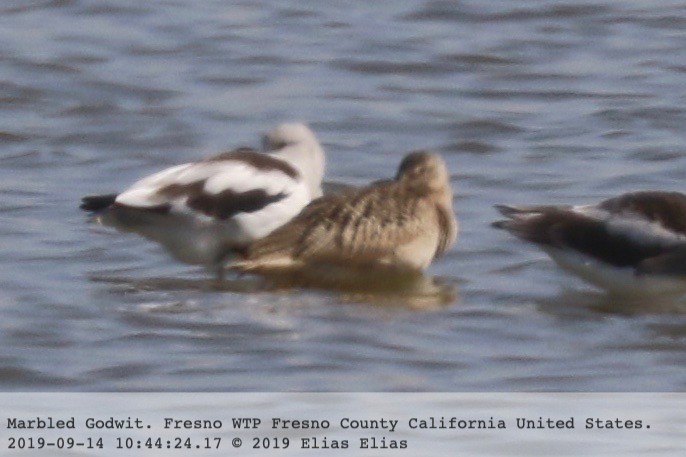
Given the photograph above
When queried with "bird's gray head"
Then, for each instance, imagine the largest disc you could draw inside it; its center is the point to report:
(424, 169)
(298, 145)
(287, 134)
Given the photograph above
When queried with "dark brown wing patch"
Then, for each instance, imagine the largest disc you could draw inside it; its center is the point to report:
(258, 160)
(229, 203)
(223, 205)
(569, 230)
(666, 208)
(229, 155)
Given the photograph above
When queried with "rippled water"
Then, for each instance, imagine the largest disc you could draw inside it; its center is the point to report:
(528, 101)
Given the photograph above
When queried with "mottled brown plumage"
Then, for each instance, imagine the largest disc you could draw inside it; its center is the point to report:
(400, 224)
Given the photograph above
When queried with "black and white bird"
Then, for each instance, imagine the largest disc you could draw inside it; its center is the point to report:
(203, 212)
(394, 226)
(633, 243)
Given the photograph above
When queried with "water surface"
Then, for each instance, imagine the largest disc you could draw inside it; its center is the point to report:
(529, 101)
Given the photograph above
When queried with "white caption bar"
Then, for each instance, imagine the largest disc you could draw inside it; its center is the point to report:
(346, 424)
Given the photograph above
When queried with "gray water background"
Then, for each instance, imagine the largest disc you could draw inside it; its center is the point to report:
(528, 102)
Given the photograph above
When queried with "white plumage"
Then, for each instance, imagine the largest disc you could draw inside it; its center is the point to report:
(203, 212)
